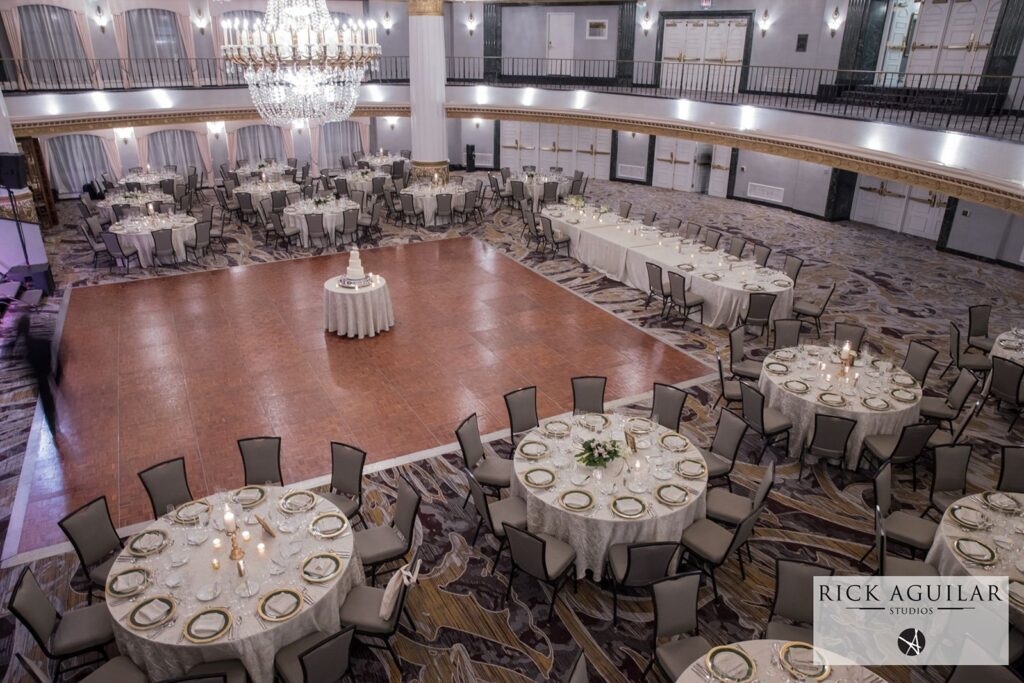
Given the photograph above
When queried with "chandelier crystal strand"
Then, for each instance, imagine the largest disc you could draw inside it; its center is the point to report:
(301, 64)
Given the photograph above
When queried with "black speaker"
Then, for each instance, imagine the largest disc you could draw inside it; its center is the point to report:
(13, 171)
(35, 276)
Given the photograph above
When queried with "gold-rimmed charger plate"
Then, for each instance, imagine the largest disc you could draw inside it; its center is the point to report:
(332, 562)
(672, 495)
(711, 277)
(294, 502)
(138, 584)
(597, 421)
(967, 517)
(785, 284)
(568, 500)
(903, 395)
(797, 386)
(533, 450)
(685, 267)
(691, 469)
(784, 354)
(903, 380)
(1015, 591)
(815, 669)
(963, 548)
(639, 425)
(831, 398)
(557, 428)
(706, 249)
(249, 496)
(674, 441)
(189, 513)
(146, 550)
(539, 478)
(328, 525)
(133, 621)
(753, 287)
(997, 500)
(268, 613)
(225, 627)
(875, 403)
(714, 664)
(639, 506)
(777, 368)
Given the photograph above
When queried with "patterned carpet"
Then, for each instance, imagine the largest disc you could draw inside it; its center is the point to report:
(900, 287)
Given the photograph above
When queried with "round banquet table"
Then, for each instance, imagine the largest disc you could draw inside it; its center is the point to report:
(165, 653)
(424, 198)
(333, 211)
(272, 171)
(358, 312)
(138, 232)
(377, 160)
(260, 190)
(803, 365)
(136, 200)
(535, 188)
(147, 179)
(359, 180)
(1002, 537)
(762, 652)
(591, 533)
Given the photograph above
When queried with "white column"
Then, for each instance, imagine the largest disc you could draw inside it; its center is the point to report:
(7, 141)
(427, 77)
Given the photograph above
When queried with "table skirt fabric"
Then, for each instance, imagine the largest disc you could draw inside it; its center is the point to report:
(358, 314)
(143, 241)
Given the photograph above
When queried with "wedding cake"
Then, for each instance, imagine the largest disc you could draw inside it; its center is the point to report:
(355, 266)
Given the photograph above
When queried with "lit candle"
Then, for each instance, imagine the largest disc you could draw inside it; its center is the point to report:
(147, 168)
(261, 549)
(216, 563)
(216, 544)
(245, 535)
(241, 567)
(229, 522)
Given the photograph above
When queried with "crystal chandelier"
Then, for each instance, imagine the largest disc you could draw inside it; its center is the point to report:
(301, 64)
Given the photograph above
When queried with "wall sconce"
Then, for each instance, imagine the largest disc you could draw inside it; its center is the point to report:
(101, 19)
(764, 23)
(387, 22)
(215, 128)
(471, 22)
(124, 134)
(298, 125)
(477, 122)
(200, 21)
(647, 22)
(392, 120)
(835, 21)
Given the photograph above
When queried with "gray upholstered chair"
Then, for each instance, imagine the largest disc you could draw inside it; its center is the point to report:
(949, 477)
(120, 255)
(947, 409)
(989, 674)
(118, 669)
(978, 363)
(61, 637)
(794, 600)
(902, 527)
(201, 243)
(362, 608)
(285, 233)
(95, 243)
(804, 309)
(91, 532)
(894, 565)
(739, 365)
(978, 336)
(1007, 386)
(541, 556)
(792, 267)
(522, 412)
(829, 440)
(761, 254)
(730, 508)
(511, 510)
(675, 614)
(650, 215)
(634, 565)
(381, 545)
(1011, 469)
(721, 457)
(672, 224)
(315, 230)
(518, 194)
(316, 658)
(941, 438)
(710, 544)
(656, 286)
(686, 302)
(550, 194)
(667, 405)
(555, 240)
(588, 394)
(624, 208)
(900, 449)
(729, 390)
(712, 238)
(493, 471)
(167, 485)
(736, 246)
(692, 231)
(759, 311)
(221, 670)
(770, 424)
(578, 673)
(919, 360)
(163, 247)
(849, 333)
(787, 332)
(444, 209)
(261, 460)
(348, 231)
(346, 489)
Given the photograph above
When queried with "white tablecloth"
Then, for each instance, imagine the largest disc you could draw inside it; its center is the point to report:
(362, 312)
(137, 200)
(271, 171)
(377, 161)
(592, 533)
(333, 211)
(801, 408)
(761, 652)
(147, 179)
(358, 180)
(163, 653)
(137, 232)
(535, 188)
(261, 190)
(425, 199)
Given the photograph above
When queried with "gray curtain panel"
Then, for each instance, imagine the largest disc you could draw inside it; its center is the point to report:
(155, 48)
(337, 139)
(178, 147)
(75, 160)
(51, 47)
(259, 142)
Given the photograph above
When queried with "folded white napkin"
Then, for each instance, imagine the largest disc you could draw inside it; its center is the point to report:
(576, 499)
(247, 495)
(320, 567)
(969, 515)
(330, 524)
(1001, 500)
(128, 581)
(973, 549)
(690, 467)
(673, 494)
(675, 441)
(208, 624)
(148, 541)
(539, 477)
(298, 501)
(153, 611)
(281, 604)
(629, 506)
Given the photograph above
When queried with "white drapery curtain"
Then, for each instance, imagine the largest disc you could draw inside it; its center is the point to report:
(10, 21)
(113, 155)
(337, 139)
(175, 146)
(156, 48)
(75, 160)
(51, 47)
(258, 142)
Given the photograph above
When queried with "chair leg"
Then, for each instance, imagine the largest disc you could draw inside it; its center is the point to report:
(412, 624)
(476, 534)
(391, 651)
(554, 598)
(511, 575)
(615, 602)
(466, 502)
(865, 555)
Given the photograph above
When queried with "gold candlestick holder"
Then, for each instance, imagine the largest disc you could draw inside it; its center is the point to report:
(236, 550)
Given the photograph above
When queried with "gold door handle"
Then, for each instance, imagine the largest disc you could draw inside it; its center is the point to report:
(875, 190)
(718, 167)
(602, 154)
(667, 161)
(923, 46)
(681, 161)
(922, 200)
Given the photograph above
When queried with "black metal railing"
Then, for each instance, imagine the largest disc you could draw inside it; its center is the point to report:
(985, 105)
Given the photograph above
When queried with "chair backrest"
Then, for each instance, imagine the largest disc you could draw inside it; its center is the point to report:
(358, 196)
(919, 360)
(468, 434)
(32, 607)
(977, 320)
(167, 485)
(667, 406)
(792, 267)
(551, 192)
(407, 508)
(37, 674)
(577, 184)
(650, 215)
(655, 279)
(950, 470)
(549, 232)
(677, 287)
(787, 332)
(954, 343)
(672, 223)
(94, 226)
(880, 540)
(91, 531)
(349, 221)
(760, 307)
(648, 562)
(1011, 469)
(93, 244)
(753, 406)
(522, 409)
(761, 254)
(113, 244)
(529, 168)
(961, 390)
(882, 484)
(483, 508)
(578, 673)
(202, 229)
(744, 530)
(341, 188)
(831, 435)
(728, 435)
(506, 173)
(328, 660)
(1007, 376)
(624, 208)
(692, 231)
(527, 551)
(469, 201)
(675, 604)
(794, 589)
(245, 202)
(518, 191)
(261, 460)
(315, 224)
(712, 238)
(736, 246)
(162, 242)
(736, 339)
(347, 469)
(760, 494)
(408, 206)
(377, 184)
(913, 439)
(849, 333)
(167, 186)
(588, 394)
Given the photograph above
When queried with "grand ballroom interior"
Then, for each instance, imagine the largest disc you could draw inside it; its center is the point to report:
(530, 340)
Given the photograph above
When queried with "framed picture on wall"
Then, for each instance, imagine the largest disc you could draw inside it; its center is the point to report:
(597, 29)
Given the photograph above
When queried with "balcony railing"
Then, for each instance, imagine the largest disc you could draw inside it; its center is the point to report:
(984, 105)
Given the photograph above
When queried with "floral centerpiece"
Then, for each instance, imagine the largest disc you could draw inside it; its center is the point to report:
(321, 201)
(530, 175)
(597, 453)
(261, 165)
(604, 208)
(576, 201)
(131, 196)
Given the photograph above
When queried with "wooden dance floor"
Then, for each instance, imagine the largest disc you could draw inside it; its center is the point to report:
(186, 365)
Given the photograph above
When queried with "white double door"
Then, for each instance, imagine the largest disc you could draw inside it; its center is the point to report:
(560, 45)
(545, 145)
(898, 207)
(721, 165)
(952, 38)
(901, 18)
(703, 54)
(681, 164)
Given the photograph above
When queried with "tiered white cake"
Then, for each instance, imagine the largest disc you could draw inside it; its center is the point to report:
(355, 266)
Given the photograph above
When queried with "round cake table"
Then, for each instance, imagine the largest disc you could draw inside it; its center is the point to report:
(362, 311)
(882, 401)
(333, 211)
(138, 232)
(764, 654)
(180, 583)
(642, 497)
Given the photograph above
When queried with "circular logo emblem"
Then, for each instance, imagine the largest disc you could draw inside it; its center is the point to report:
(911, 642)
